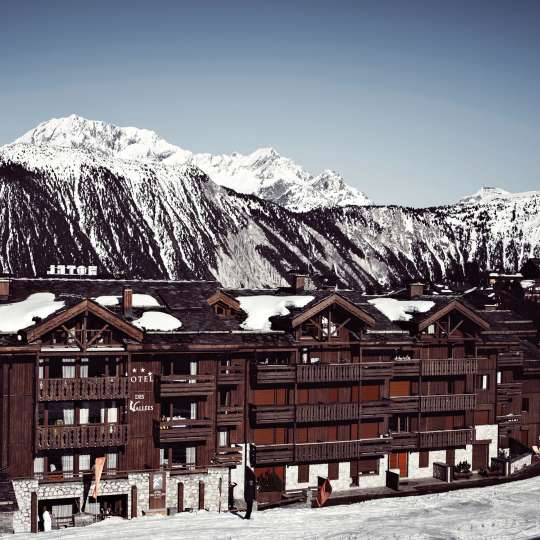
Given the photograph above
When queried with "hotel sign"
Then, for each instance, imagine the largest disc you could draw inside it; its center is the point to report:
(137, 403)
(71, 270)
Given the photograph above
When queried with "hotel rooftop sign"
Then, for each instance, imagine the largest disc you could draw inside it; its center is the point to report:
(71, 270)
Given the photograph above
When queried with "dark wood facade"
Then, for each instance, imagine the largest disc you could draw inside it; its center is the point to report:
(334, 381)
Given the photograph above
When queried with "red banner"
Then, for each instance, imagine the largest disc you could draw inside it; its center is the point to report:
(98, 470)
(324, 490)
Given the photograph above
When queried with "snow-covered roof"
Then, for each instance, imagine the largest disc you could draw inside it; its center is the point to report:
(401, 310)
(260, 308)
(139, 301)
(157, 321)
(19, 315)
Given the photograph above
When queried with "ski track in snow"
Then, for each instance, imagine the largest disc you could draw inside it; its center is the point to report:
(509, 511)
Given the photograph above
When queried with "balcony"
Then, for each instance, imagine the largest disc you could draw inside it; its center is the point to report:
(531, 367)
(228, 455)
(320, 412)
(83, 389)
(506, 391)
(444, 439)
(182, 430)
(232, 375)
(451, 402)
(230, 416)
(510, 359)
(318, 452)
(406, 367)
(322, 373)
(340, 450)
(404, 404)
(186, 385)
(274, 374)
(86, 436)
(264, 415)
(509, 420)
(405, 440)
(443, 367)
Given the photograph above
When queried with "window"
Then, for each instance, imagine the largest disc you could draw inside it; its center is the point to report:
(303, 474)
(112, 461)
(308, 331)
(484, 382)
(223, 437)
(499, 377)
(328, 326)
(431, 329)
(525, 404)
(423, 459)
(84, 462)
(39, 466)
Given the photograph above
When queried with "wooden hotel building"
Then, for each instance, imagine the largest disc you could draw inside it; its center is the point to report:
(186, 388)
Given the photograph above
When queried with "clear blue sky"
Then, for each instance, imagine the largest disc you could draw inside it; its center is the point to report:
(413, 102)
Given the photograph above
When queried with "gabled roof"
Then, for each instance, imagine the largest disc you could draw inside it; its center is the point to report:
(221, 296)
(456, 305)
(314, 308)
(59, 318)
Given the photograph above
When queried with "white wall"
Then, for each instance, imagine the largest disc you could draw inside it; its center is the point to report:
(489, 431)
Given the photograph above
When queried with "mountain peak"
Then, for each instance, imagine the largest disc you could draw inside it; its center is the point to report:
(264, 172)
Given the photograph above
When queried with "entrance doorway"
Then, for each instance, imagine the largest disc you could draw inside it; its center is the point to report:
(400, 460)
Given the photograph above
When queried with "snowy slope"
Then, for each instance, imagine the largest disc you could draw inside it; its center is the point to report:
(263, 172)
(505, 512)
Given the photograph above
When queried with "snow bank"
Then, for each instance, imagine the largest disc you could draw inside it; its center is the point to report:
(158, 321)
(260, 308)
(401, 310)
(504, 512)
(139, 301)
(19, 315)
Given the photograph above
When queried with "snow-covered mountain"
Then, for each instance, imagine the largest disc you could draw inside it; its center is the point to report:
(264, 172)
(85, 202)
(155, 220)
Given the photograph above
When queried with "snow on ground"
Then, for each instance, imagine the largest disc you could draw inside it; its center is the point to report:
(260, 308)
(401, 310)
(158, 321)
(19, 315)
(509, 511)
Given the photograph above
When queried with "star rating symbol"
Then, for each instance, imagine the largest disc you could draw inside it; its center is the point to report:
(134, 370)
(143, 370)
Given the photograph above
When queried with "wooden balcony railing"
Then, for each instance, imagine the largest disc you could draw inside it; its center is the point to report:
(406, 367)
(272, 414)
(320, 412)
(228, 416)
(86, 436)
(340, 450)
(318, 452)
(317, 373)
(82, 389)
(274, 374)
(404, 404)
(186, 385)
(451, 402)
(230, 375)
(510, 359)
(377, 370)
(404, 440)
(435, 367)
(230, 455)
(506, 391)
(182, 430)
(443, 439)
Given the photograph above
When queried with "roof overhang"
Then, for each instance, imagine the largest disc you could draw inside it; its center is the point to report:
(457, 306)
(331, 300)
(89, 306)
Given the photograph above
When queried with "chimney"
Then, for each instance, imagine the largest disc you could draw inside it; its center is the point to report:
(415, 289)
(297, 281)
(4, 288)
(127, 301)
